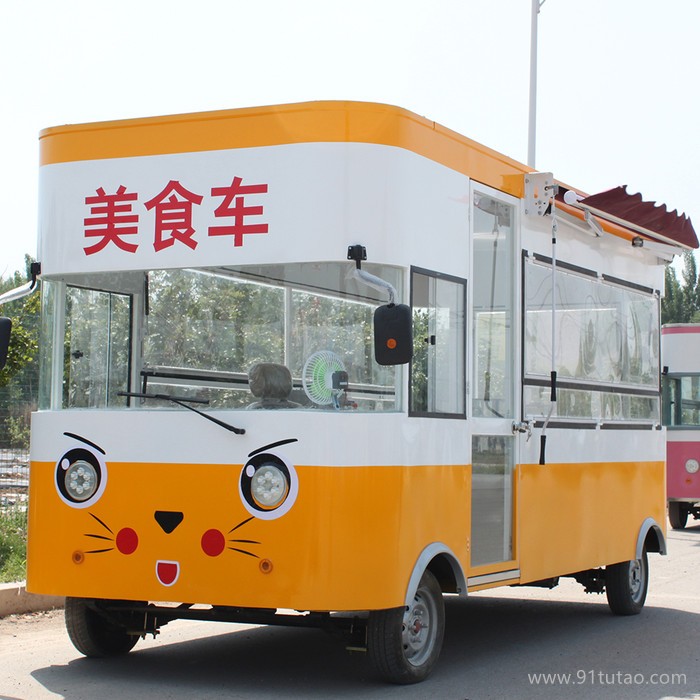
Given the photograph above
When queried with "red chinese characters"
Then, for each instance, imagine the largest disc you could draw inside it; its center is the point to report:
(113, 218)
(174, 216)
(234, 207)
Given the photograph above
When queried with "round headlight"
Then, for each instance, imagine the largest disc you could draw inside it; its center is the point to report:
(81, 477)
(692, 465)
(269, 486)
(81, 480)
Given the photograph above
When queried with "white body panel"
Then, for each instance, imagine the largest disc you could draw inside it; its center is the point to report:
(320, 199)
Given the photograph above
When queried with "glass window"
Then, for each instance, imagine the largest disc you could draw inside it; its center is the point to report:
(312, 322)
(493, 285)
(50, 293)
(214, 322)
(306, 328)
(97, 348)
(492, 499)
(681, 401)
(438, 365)
(606, 347)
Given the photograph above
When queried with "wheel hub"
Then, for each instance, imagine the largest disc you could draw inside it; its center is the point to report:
(635, 578)
(417, 634)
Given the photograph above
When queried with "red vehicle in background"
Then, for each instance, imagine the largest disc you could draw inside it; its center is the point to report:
(680, 356)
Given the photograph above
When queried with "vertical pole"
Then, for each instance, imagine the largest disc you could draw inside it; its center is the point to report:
(532, 121)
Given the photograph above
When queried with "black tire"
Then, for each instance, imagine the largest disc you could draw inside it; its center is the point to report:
(677, 514)
(626, 585)
(404, 643)
(93, 634)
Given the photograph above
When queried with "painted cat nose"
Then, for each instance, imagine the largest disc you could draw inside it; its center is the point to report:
(168, 519)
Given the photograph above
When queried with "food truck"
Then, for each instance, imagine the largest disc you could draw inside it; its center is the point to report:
(680, 358)
(324, 363)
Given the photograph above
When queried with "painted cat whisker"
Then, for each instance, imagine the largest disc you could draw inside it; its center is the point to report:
(101, 523)
(245, 541)
(241, 524)
(243, 551)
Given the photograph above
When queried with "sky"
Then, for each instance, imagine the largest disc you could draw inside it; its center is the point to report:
(618, 91)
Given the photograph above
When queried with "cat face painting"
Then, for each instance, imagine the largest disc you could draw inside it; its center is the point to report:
(151, 506)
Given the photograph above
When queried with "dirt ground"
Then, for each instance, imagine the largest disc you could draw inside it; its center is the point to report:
(12, 625)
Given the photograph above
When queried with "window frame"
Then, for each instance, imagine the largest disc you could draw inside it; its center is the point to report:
(441, 276)
(604, 388)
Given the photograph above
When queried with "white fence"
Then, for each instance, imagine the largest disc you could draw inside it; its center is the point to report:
(14, 478)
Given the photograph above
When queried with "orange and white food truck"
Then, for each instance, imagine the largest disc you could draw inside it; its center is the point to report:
(320, 364)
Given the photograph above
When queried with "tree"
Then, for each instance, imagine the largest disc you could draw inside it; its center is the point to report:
(19, 379)
(672, 310)
(681, 303)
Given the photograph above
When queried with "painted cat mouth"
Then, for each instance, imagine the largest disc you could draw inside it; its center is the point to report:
(167, 572)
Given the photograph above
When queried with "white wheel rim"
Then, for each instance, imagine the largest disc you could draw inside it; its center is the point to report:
(636, 579)
(419, 629)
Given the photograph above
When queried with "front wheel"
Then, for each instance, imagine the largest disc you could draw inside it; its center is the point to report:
(92, 633)
(677, 514)
(626, 585)
(404, 643)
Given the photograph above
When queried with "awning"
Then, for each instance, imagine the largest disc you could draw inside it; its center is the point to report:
(619, 206)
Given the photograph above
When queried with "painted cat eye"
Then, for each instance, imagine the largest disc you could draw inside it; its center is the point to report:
(268, 485)
(81, 477)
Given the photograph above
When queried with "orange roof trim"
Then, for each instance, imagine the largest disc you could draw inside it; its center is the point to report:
(307, 122)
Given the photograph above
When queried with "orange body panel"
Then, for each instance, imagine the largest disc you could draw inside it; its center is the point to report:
(579, 516)
(350, 541)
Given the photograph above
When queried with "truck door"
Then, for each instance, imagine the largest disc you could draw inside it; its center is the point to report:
(494, 360)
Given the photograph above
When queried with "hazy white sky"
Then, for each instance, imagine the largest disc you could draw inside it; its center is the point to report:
(618, 98)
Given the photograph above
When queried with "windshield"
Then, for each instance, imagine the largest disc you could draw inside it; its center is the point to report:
(289, 336)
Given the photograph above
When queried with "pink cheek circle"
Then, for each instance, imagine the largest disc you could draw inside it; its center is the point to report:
(127, 540)
(213, 543)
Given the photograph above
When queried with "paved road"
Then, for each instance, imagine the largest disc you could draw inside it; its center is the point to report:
(495, 642)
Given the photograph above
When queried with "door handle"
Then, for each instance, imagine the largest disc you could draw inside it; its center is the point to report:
(523, 427)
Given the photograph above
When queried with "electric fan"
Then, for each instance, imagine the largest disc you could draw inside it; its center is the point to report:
(321, 377)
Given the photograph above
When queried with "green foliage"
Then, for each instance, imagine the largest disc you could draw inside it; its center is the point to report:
(13, 545)
(681, 303)
(419, 366)
(22, 350)
(18, 429)
(19, 380)
(207, 321)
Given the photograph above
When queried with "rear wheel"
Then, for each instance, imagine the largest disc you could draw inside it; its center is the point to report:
(404, 643)
(626, 585)
(677, 514)
(93, 633)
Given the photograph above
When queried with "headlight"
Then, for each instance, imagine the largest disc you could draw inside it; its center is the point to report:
(268, 485)
(81, 480)
(692, 465)
(81, 477)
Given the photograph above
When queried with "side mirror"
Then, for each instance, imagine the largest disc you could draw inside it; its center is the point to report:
(393, 334)
(5, 332)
